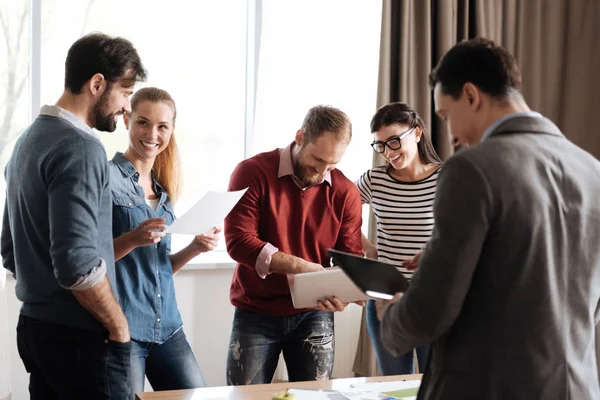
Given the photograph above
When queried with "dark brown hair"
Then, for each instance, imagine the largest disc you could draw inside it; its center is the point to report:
(403, 114)
(113, 57)
(481, 62)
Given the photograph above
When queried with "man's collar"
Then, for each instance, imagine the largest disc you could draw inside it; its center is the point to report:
(286, 165)
(59, 112)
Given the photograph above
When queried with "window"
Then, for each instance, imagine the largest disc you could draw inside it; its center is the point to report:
(189, 51)
(243, 73)
(14, 76)
(318, 52)
(14, 117)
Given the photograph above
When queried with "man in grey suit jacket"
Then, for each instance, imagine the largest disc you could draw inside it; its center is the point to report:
(508, 287)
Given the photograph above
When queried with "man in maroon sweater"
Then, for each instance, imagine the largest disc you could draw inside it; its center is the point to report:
(296, 207)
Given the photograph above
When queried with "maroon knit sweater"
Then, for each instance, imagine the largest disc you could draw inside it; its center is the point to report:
(303, 223)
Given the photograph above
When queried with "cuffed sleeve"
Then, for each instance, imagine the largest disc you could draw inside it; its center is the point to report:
(95, 276)
(263, 261)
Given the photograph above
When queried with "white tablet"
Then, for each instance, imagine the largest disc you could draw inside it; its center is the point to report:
(308, 288)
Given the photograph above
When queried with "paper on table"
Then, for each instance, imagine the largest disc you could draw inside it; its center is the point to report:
(312, 394)
(207, 213)
(405, 390)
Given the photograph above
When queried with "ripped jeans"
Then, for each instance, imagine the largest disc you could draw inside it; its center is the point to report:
(306, 340)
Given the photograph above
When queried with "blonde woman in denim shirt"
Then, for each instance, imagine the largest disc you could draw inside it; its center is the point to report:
(145, 183)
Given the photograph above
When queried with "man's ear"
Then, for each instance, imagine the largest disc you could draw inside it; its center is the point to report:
(126, 120)
(299, 138)
(472, 94)
(97, 84)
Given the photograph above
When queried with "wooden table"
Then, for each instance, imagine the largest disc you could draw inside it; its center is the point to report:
(262, 392)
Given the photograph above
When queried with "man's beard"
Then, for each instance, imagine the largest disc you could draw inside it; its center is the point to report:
(101, 121)
(306, 175)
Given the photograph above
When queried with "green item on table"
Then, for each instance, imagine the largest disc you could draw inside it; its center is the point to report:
(402, 393)
(284, 395)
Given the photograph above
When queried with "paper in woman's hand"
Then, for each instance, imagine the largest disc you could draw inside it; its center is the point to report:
(207, 213)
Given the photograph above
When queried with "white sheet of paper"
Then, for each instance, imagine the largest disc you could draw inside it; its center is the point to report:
(312, 394)
(207, 213)
(379, 390)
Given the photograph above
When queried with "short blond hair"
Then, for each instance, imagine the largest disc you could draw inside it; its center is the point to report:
(321, 119)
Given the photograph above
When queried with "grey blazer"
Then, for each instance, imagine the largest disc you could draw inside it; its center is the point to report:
(508, 288)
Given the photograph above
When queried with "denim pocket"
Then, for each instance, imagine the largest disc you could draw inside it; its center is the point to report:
(128, 212)
(126, 199)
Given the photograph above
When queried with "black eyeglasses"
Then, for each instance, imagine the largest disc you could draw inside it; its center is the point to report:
(394, 143)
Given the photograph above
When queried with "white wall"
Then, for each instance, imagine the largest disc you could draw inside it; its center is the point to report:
(203, 298)
(19, 378)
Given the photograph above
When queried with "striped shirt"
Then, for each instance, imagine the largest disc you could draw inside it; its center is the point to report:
(403, 211)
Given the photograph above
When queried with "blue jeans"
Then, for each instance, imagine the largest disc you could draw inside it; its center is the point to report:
(70, 363)
(170, 365)
(388, 364)
(306, 339)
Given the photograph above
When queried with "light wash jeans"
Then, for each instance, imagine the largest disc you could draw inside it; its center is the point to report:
(170, 365)
(388, 364)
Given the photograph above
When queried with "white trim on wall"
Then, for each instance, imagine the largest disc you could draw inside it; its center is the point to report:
(35, 68)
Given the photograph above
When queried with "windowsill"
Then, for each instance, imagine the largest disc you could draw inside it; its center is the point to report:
(218, 259)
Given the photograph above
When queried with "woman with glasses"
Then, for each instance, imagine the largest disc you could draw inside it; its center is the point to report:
(401, 194)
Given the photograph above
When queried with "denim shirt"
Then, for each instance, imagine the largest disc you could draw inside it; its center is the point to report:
(144, 276)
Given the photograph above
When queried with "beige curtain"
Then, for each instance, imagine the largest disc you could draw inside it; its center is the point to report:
(556, 45)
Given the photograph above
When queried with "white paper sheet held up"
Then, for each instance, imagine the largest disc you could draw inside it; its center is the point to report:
(207, 213)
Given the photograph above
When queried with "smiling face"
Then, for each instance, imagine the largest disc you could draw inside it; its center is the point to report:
(408, 153)
(313, 159)
(113, 103)
(150, 128)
